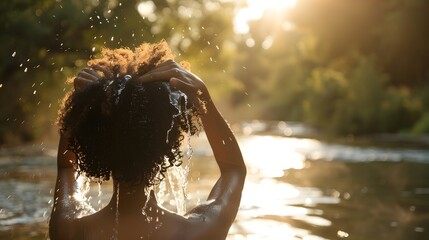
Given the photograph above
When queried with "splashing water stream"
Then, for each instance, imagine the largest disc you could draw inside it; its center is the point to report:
(83, 187)
(177, 176)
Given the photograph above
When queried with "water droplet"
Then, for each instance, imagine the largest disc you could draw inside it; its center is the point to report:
(93, 49)
(34, 92)
(346, 196)
(342, 234)
(13, 54)
(112, 38)
(394, 224)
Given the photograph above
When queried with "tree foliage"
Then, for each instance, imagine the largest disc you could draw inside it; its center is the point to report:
(344, 66)
(347, 67)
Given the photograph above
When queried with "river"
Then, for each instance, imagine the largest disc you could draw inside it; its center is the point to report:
(298, 187)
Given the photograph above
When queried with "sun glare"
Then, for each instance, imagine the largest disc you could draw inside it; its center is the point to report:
(255, 9)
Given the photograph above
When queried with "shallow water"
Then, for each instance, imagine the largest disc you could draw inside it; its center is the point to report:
(297, 188)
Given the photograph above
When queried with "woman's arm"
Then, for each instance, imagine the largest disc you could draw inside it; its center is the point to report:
(63, 215)
(224, 198)
(66, 208)
(214, 218)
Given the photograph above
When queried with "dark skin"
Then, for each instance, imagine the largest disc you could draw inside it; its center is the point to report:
(210, 220)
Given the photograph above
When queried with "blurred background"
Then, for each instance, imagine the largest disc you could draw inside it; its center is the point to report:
(329, 100)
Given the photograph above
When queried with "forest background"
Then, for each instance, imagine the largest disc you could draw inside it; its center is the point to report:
(345, 67)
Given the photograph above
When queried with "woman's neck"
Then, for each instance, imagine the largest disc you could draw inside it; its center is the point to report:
(130, 199)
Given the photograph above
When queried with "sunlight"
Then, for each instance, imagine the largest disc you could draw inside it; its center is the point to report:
(255, 9)
(147, 10)
(269, 156)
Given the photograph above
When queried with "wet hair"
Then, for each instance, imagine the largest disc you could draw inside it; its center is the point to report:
(123, 129)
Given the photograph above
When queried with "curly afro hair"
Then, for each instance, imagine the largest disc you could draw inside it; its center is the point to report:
(124, 129)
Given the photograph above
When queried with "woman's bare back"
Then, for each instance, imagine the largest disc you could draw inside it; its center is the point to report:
(155, 222)
(158, 223)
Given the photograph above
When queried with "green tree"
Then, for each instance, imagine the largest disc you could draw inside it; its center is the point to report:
(46, 41)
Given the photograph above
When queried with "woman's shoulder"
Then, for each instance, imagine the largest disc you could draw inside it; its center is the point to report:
(194, 225)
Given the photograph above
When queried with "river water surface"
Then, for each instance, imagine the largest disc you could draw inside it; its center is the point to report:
(297, 187)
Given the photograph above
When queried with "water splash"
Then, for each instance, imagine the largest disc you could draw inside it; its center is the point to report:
(84, 207)
(177, 178)
(189, 150)
(175, 97)
(100, 206)
(122, 85)
(175, 100)
(161, 192)
(147, 191)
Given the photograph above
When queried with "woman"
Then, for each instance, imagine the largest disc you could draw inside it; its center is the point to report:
(128, 123)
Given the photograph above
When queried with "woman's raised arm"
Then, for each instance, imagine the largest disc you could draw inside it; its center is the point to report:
(66, 208)
(214, 218)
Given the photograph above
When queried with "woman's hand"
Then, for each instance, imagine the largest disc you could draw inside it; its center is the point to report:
(89, 75)
(182, 80)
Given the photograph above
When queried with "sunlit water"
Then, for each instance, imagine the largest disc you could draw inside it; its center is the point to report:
(297, 188)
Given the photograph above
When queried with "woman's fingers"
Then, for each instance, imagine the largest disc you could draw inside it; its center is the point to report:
(92, 72)
(85, 74)
(89, 76)
(104, 70)
(80, 83)
(181, 85)
(167, 65)
(163, 74)
(179, 79)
